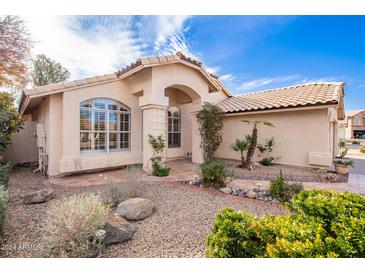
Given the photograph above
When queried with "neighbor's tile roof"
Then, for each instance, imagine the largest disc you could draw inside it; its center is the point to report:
(352, 113)
(294, 96)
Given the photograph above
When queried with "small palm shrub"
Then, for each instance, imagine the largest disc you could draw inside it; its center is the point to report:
(71, 226)
(282, 190)
(362, 149)
(4, 197)
(322, 223)
(214, 174)
(241, 145)
(4, 173)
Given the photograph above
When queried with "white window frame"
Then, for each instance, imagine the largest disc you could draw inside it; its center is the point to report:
(173, 121)
(107, 131)
(357, 121)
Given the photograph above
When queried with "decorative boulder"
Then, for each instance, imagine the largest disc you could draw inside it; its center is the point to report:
(135, 209)
(39, 196)
(118, 234)
(251, 194)
(226, 190)
(330, 177)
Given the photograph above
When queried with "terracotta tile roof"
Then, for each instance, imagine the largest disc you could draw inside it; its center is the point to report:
(130, 69)
(294, 96)
(170, 59)
(71, 84)
(352, 113)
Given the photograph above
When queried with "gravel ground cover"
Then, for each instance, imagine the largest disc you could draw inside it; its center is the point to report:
(178, 228)
(291, 173)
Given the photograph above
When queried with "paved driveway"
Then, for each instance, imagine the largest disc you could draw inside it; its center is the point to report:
(357, 173)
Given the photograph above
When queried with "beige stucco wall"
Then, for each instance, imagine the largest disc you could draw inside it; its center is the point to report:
(23, 147)
(299, 135)
(71, 159)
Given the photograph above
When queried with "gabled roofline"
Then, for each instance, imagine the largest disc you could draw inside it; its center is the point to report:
(127, 71)
(179, 57)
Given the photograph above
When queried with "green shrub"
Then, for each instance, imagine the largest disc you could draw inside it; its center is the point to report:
(214, 174)
(158, 145)
(355, 142)
(4, 173)
(362, 149)
(71, 226)
(282, 190)
(158, 169)
(266, 161)
(4, 197)
(322, 223)
(345, 163)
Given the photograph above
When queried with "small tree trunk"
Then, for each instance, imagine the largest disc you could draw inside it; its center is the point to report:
(251, 149)
(242, 159)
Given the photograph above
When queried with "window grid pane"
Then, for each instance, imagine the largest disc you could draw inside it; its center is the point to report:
(174, 129)
(103, 120)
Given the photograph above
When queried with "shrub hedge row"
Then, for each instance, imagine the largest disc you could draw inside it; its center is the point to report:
(322, 223)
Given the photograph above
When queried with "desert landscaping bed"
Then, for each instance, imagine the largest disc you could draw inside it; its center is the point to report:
(178, 228)
(291, 173)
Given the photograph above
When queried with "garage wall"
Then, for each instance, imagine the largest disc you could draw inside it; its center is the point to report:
(23, 147)
(303, 138)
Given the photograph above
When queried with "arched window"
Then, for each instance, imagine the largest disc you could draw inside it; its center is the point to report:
(105, 125)
(174, 127)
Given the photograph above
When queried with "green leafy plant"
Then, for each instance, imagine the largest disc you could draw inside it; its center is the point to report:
(282, 190)
(253, 143)
(214, 174)
(242, 145)
(4, 173)
(343, 148)
(265, 151)
(71, 225)
(362, 149)
(322, 223)
(10, 121)
(210, 118)
(346, 163)
(4, 197)
(158, 167)
(355, 142)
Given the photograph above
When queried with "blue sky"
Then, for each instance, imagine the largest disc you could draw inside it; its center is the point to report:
(249, 53)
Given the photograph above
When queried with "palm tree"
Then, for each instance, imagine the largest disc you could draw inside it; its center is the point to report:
(242, 145)
(253, 143)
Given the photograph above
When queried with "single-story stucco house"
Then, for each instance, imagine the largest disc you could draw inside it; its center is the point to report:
(104, 121)
(353, 126)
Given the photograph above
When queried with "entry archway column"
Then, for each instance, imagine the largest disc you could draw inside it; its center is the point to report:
(196, 149)
(154, 123)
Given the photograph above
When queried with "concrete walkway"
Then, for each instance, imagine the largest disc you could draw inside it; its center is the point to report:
(357, 173)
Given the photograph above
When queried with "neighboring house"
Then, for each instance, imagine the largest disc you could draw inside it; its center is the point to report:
(104, 121)
(353, 126)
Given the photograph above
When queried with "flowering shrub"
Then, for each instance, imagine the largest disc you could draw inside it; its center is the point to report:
(322, 224)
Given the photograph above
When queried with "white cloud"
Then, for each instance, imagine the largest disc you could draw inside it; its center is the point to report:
(94, 45)
(318, 80)
(260, 82)
(227, 78)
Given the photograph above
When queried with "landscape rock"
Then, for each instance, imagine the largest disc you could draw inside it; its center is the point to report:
(226, 190)
(118, 234)
(330, 177)
(251, 194)
(135, 209)
(39, 196)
